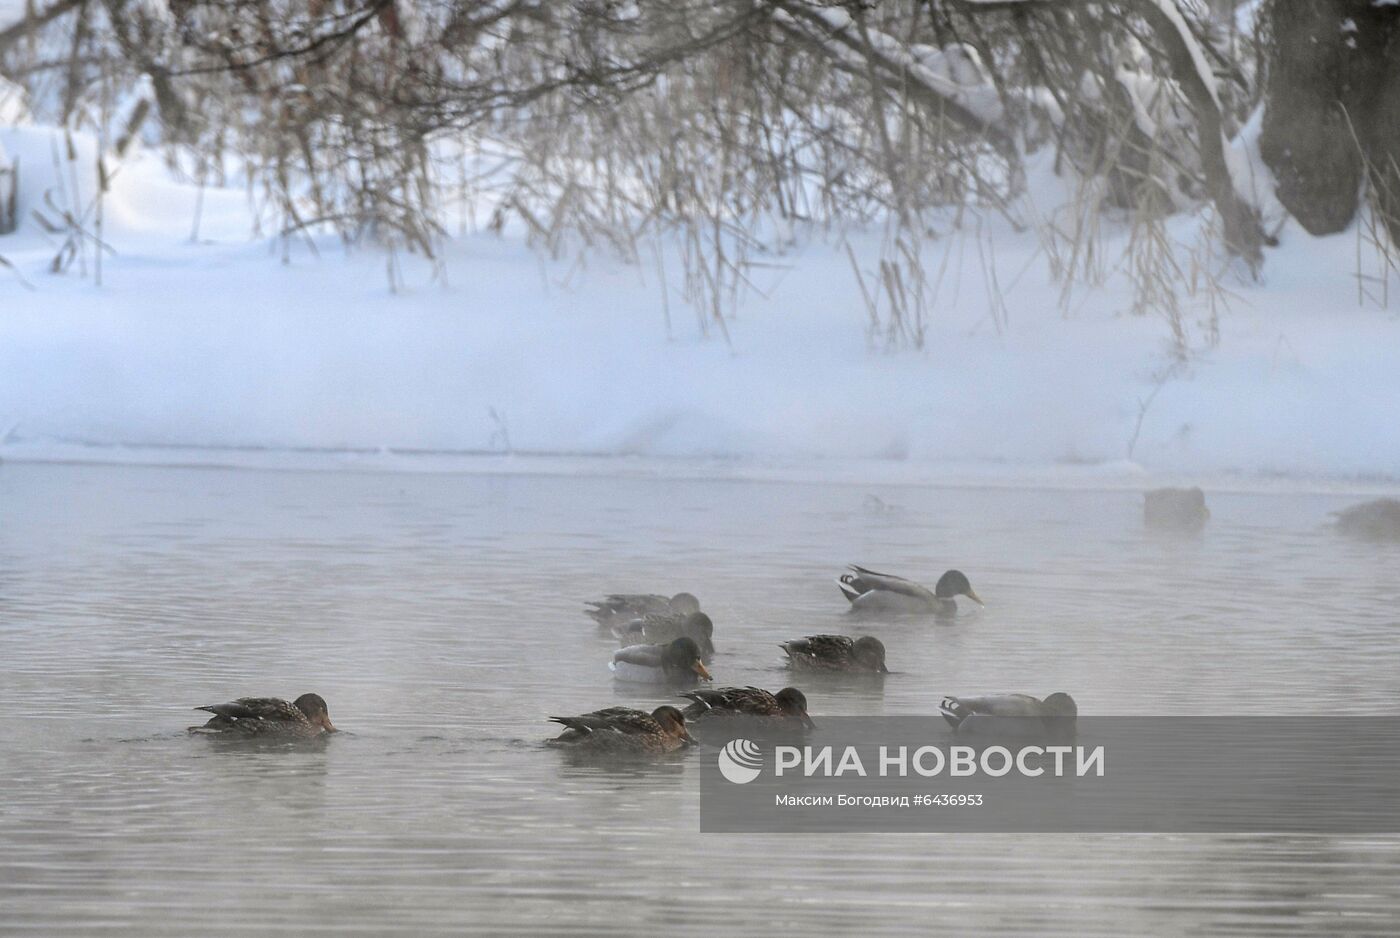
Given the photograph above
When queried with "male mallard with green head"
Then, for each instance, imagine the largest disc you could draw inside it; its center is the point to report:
(998, 714)
(658, 628)
(869, 591)
(677, 663)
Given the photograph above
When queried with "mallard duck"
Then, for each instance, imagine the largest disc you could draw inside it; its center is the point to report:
(622, 731)
(269, 718)
(836, 653)
(1175, 509)
(678, 663)
(660, 627)
(1378, 520)
(998, 712)
(620, 608)
(748, 702)
(869, 591)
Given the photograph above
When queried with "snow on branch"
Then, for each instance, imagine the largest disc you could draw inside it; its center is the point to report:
(950, 79)
(1192, 72)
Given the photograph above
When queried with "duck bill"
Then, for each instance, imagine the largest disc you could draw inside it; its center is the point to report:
(688, 741)
(807, 721)
(974, 597)
(882, 669)
(328, 726)
(700, 669)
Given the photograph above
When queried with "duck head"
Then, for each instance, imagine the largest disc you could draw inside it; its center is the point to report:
(685, 603)
(672, 723)
(794, 704)
(869, 651)
(954, 583)
(699, 627)
(314, 707)
(1059, 714)
(1060, 705)
(684, 655)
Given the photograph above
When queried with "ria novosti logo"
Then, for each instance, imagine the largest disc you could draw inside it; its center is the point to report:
(740, 761)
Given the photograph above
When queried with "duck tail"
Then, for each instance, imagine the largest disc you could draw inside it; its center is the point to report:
(849, 589)
(573, 723)
(953, 711)
(698, 697)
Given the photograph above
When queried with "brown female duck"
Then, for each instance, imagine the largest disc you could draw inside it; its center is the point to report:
(836, 653)
(624, 731)
(268, 718)
(787, 705)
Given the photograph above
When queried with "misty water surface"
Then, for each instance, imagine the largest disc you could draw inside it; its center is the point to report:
(440, 616)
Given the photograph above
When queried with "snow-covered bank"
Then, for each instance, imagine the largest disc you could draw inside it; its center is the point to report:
(217, 344)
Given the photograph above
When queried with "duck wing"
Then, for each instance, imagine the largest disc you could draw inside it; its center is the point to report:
(825, 647)
(663, 627)
(626, 606)
(650, 628)
(629, 631)
(957, 709)
(271, 709)
(862, 581)
(610, 719)
(645, 656)
(748, 700)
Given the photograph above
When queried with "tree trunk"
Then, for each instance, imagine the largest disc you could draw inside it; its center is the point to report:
(1331, 111)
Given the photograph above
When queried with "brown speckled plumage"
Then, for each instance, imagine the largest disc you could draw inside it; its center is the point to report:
(748, 702)
(623, 731)
(618, 609)
(268, 718)
(836, 653)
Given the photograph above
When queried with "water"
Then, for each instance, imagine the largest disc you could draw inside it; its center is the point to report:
(440, 617)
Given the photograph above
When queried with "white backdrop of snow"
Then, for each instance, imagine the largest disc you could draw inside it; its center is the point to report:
(217, 344)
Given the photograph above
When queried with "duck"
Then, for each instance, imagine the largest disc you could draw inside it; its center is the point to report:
(984, 715)
(1175, 509)
(662, 627)
(1377, 520)
(307, 717)
(678, 663)
(750, 703)
(836, 653)
(869, 591)
(618, 609)
(624, 731)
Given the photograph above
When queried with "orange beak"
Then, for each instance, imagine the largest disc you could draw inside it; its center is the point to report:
(327, 725)
(700, 669)
(974, 597)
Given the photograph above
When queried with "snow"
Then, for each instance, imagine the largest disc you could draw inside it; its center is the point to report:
(215, 352)
(11, 11)
(13, 107)
(951, 74)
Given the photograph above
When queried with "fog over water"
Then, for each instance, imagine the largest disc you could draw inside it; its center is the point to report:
(440, 615)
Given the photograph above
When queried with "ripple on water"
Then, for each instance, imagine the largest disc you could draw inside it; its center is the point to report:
(441, 618)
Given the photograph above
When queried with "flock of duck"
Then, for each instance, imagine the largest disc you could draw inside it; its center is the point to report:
(667, 643)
